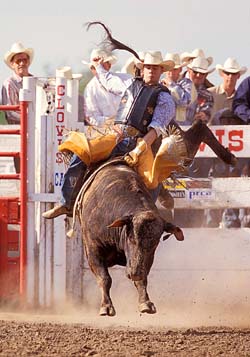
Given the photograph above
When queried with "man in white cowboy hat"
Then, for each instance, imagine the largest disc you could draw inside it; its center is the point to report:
(100, 105)
(182, 89)
(146, 109)
(187, 57)
(201, 108)
(18, 59)
(224, 93)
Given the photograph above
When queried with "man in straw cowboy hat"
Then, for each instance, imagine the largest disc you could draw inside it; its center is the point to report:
(187, 57)
(100, 105)
(182, 89)
(201, 108)
(145, 110)
(224, 93)
(18, 59)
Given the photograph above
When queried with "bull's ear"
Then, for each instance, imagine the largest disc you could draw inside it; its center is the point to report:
(120, 222)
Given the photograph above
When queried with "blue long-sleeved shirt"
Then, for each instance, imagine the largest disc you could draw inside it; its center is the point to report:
(241, 101)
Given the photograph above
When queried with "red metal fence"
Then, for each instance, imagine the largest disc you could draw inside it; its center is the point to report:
(19, 202)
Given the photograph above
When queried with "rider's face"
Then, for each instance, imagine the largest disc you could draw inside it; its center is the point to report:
(152, 73)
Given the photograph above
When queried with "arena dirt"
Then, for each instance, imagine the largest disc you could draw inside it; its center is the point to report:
(81, 332)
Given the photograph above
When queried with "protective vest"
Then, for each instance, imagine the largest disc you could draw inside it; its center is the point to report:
(138, 104)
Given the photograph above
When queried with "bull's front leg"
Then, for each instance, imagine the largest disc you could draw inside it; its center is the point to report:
(104, 281)
(145, 305)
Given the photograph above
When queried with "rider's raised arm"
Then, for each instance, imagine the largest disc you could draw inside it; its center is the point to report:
(112, 82)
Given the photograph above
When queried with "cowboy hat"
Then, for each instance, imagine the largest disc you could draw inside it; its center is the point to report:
(200, 64)
(131, 63)
(155, 58)
(176, 59)
(66, 72)
(198, 52)
(231, 66)
(16, 48)
(107, 56)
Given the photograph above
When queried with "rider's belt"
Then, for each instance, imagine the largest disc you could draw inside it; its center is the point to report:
(130, 131)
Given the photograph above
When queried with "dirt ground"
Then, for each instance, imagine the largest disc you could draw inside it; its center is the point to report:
(33, 334)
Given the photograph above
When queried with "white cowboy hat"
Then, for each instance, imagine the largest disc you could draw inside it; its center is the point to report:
(231, 66)
(176, 59)
(16, 48)
(155, 58)
(104, 54)
(131, 63)
(198, 52)
(200, 64)
(66, 72)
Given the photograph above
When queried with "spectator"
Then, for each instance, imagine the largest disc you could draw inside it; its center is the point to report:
(241, 101)
(187, 57)
(182, 89)
(99, 104)
(19, 60)
(201, 108)
(224, 93)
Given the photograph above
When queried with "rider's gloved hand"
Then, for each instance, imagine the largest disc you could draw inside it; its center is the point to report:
(132, 157)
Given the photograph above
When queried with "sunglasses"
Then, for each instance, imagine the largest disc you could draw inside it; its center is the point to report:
(230, 73)
(195, 72)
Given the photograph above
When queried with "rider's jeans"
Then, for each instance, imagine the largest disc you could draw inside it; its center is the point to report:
(72, 181)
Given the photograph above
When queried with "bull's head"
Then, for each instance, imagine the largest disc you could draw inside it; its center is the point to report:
(140, 238)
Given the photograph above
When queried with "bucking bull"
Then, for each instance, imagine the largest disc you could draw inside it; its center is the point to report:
(121, 224)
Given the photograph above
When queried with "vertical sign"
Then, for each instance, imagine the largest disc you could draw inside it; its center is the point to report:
(59, 266)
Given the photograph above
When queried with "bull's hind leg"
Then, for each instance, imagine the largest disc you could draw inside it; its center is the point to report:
(145, 305)
(104, 281)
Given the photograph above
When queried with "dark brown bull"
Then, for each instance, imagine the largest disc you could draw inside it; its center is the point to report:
(121, 226)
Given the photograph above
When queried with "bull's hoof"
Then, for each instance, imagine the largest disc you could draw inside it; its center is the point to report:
(147, 307)
(107, 311)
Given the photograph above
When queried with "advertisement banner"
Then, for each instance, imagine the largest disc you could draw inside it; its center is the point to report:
(235, 137)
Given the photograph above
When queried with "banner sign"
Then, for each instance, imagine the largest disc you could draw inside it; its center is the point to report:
(235, 137)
